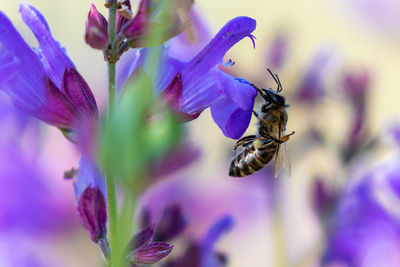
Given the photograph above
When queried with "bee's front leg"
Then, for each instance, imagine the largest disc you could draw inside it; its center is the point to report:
(245, 141)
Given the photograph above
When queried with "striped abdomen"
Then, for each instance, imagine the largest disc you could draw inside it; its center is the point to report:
(252, 159)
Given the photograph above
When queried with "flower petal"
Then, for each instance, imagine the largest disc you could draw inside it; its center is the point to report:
(231, 119)
(151, 253)
(205, 92)
(235, 30)
(53, 57)
(240, 93)
(21, 73)
(79, 92)
(88, 175)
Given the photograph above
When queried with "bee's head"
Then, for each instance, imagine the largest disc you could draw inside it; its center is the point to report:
(273, 97)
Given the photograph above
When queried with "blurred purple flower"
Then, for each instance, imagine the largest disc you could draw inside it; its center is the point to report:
(278, 52)
(171, 224)
(199, 84)
(203, 254)
(356, 87)
(381, 14)
(366, 226)
(176, 159)
(324, 199)
(163, 19)
(90, 192)
(312, 86)
(43, 82)
(27, 204)
(190, 42)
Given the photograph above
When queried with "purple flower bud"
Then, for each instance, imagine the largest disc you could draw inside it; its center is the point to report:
(171, 224)
(92, 211)
(136, 26)
(96, 34)
(142, 238)
(312, 87)
(151, 253)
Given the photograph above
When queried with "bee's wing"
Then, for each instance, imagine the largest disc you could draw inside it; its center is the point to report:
(282, 160)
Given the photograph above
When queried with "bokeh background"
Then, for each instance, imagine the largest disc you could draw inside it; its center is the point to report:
(277, 221)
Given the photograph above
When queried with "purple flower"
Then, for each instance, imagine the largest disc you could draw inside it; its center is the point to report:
(90, 193)
(171, 224)
(96, 34)
(43, 82)
(199, 84)
(278, 51)
(356, 87)
(382, 15)
(366, 226)
(203, 254)
(312, 86)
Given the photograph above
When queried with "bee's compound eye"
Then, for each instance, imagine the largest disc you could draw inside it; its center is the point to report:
(280, 100)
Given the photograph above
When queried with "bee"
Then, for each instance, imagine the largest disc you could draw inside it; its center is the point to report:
(270, 139)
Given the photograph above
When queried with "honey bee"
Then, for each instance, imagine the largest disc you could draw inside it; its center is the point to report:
(270, 139)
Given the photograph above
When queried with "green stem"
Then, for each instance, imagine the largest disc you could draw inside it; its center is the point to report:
(110, 182)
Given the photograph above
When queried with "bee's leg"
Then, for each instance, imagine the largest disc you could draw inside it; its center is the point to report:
(280, 141)
(245, 141)
(286, 137)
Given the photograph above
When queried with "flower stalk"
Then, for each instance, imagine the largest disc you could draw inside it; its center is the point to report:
(110, 182)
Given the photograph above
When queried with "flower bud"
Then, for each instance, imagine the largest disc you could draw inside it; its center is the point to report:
(93, 214)
(150, 253)
(96, 34)
(142, 238)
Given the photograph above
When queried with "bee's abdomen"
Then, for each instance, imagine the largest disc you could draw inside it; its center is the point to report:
(251, 160)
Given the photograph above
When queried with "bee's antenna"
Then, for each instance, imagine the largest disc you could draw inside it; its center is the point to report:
(279, 84)
(276, 79)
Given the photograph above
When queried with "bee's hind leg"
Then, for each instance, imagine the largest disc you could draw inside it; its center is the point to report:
(245, 141)
(280, 141)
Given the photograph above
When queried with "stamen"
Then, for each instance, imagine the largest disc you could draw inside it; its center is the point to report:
(252, 38)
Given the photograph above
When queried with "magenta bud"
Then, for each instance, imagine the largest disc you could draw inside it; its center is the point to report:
(136, 26)
(150, 253)
(142, 238)
(96, 34)
(93, 214)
